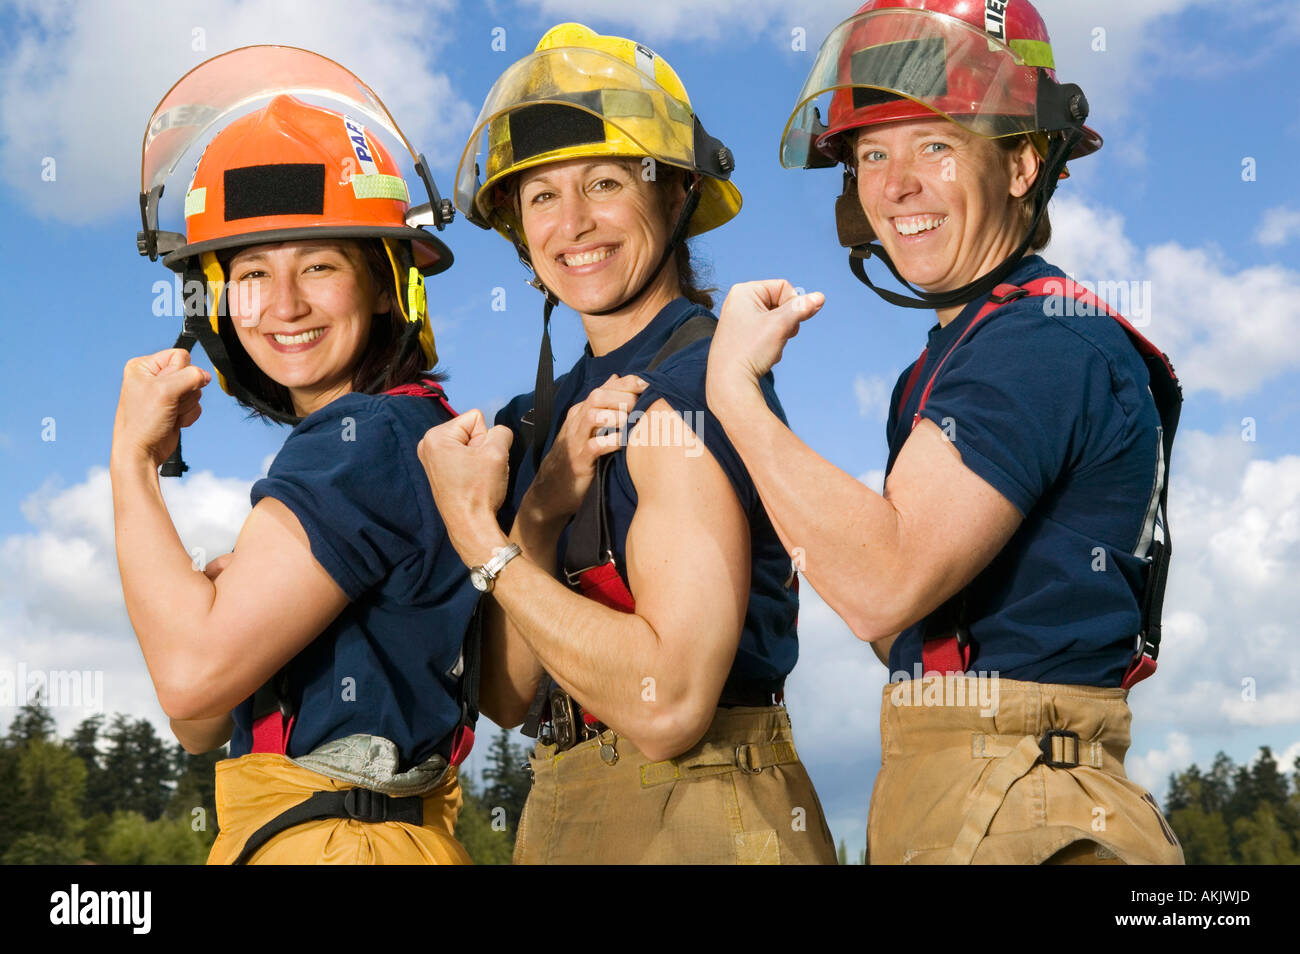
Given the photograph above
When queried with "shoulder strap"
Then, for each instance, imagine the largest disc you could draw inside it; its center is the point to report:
(999, 297)
(590, 542)
(590, 539)
(424, 387)
(1167, 393)
(467, 694)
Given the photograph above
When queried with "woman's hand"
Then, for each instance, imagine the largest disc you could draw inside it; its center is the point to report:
(160, 395)
(570, 464)
(468, 467)
(755, 322)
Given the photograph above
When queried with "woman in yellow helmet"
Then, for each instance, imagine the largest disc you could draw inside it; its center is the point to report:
(654, 678)
(342, 600)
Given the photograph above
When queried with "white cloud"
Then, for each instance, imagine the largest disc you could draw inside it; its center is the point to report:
(1152, 769)
(1279, 226)
(1228, 662)
(1287, 758)
(873, 394)
(61, 603)
(689, 20)
(80, 80)
(875, 479)
(1226, 329)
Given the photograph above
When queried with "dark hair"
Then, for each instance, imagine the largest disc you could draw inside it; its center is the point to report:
(383, 363)
(689, 281)
(1043, 232)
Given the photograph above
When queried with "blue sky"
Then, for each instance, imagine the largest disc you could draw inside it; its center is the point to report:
(1187, 94)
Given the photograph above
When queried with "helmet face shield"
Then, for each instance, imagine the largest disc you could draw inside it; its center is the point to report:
(213, 90)
(904, 63)
(569, 103)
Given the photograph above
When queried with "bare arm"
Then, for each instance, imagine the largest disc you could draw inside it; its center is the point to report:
(210, 644)
(654, 675)
(881, 562)
(197, 736)
(511, 671)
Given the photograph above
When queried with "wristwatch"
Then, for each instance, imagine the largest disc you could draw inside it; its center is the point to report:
(484, 577)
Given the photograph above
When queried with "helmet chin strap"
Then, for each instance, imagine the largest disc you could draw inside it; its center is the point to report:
(544, 389)
(1043, 190)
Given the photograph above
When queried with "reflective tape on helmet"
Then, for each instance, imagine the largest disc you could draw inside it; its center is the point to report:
(196, 201)
(376, 185)
(1034, 53)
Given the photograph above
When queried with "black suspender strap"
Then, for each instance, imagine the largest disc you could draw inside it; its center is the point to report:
(359, 804)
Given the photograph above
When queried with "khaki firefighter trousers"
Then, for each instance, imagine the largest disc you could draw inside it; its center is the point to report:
(740, 796)
(253, 789)
(963, 778)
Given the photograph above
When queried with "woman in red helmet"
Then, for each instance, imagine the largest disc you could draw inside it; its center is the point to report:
(1011, 564)
(327, 647)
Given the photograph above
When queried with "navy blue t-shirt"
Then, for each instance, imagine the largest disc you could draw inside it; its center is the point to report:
(768, 644)
(1050, 407)
(384, 666)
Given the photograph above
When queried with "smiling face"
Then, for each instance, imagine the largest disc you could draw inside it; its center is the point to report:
(302, 311)
(596, 229)
(943, 201)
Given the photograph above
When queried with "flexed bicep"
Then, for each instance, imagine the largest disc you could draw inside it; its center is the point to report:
(688, 563)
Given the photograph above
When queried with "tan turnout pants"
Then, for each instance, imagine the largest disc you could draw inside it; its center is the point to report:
(960, 784)
(740, 796)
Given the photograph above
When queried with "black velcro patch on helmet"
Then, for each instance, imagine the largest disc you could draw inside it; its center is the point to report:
(289, 188)
(546, 126)
(916, 67)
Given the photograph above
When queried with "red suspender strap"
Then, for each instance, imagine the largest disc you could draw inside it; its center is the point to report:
(1063, 286)
(1000, 296)
(945, 654)
(271, 733)
(951, 652)
(424, 388)
(910, 386)
(604, 585)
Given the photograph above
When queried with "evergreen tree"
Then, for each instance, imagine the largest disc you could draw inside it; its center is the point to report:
(10, 808)
(483, 834)
(196, 788)
(51, 781)
(84, 742)
(137, 769)
(842, 855)
(33, 721)
(507, 779)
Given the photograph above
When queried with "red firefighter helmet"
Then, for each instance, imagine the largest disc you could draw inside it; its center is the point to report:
(986, 65)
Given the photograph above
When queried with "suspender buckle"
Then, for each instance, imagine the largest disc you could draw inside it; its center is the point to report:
(364, 805)
(1069, 748)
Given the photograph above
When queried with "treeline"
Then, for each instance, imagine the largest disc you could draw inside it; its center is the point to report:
(114, 792)
(1237, 814)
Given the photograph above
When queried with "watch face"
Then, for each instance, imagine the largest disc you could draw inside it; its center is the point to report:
(479, 579)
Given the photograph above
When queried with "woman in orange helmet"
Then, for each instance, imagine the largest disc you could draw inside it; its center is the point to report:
(327, 648)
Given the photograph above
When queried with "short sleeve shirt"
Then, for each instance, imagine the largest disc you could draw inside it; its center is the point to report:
(386, 665)
(768, 644)
(1049, 405)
